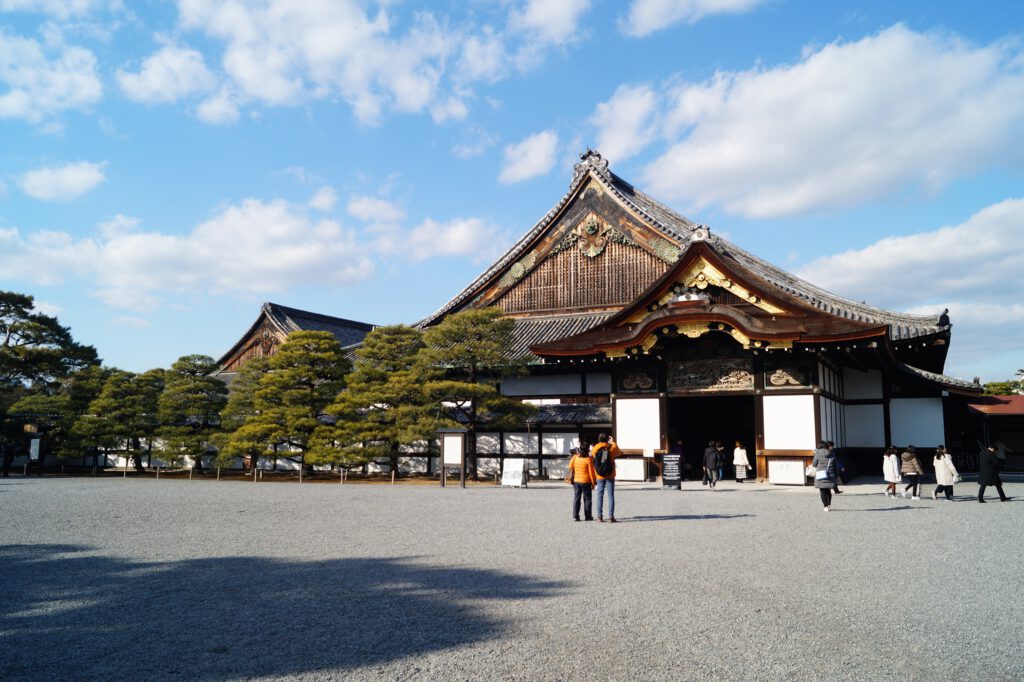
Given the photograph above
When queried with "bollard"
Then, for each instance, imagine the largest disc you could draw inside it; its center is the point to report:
(158, 473)
(218, 473)
(190, 473)
(392, 477)
(254, 470)
(341, 476)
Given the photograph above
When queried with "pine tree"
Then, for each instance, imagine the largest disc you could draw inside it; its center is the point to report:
(474, 347)
(189, 408)
(305, 375)
(383, 407)
(241, 405)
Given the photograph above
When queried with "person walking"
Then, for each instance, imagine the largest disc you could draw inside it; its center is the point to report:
(891, 471)
(604, 453)
(712, 462)
(910, 466)
(945, 473)
(839, 469)
(721, 459)
(824, 464)
(740, 462)
(582, 476)
(988, 473)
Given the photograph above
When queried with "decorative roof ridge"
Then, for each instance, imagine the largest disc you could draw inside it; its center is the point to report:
(267, 308)
(290, 313)
(828, 301)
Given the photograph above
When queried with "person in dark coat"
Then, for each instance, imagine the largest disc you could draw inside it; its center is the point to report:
(824, 464)
(712, 461)
(988, 473)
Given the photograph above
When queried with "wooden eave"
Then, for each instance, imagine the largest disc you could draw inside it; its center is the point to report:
(782, 320)
(265, 318)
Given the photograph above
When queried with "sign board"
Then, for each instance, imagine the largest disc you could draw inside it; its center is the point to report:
(33, 450)
(629, 469)
(513, 475)
(670, 475)
(638, 423)
(451, 446)
(787, 471)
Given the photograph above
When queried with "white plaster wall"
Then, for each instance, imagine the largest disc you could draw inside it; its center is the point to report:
(861, 385)
(557, 468)
(558, 443)
(488, 443)
(521, 444)
(555, 384)
(917, 421)
(865, 426)
(788, 422)
(488, 466)
(638, 423)
(599, 383)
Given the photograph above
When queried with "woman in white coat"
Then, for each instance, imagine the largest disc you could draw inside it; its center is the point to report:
(945, 473)
(891, 471)
(740, 462)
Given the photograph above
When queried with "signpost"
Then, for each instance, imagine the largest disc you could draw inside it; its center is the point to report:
(453, 453)
(670, 474)
(514, 473)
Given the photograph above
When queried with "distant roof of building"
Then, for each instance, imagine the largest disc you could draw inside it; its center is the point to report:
(287, 320)
(998, 405)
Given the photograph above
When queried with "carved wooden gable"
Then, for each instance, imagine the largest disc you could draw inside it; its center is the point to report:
(262, 342)
(595, 256)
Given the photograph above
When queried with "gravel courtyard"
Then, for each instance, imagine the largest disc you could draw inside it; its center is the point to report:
(110, 579)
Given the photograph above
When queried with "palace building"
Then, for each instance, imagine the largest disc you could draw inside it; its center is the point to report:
(637, 321)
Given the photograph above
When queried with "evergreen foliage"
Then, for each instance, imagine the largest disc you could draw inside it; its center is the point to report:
(1012, 387)
(474, 347)
(304, 378)
(384, 406)
(241, 405)
(189, 408)
(124, 415)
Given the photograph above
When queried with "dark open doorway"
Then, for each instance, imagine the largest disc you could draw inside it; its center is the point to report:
(697, 420)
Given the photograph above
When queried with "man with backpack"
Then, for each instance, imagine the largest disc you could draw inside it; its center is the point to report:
(604, 453)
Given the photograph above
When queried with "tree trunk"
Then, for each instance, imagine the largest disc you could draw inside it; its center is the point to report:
(137, 455)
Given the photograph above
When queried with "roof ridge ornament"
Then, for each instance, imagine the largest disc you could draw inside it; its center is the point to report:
(590, 160)
(701, 233)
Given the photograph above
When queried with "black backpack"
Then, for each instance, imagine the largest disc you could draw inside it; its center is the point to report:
(603, 460)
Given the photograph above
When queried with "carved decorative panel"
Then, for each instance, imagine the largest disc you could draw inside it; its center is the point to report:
(711, 375)
(638, 381)
(572, 279)
(785, 377)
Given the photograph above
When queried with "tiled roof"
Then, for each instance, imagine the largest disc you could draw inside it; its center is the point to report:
(998, 405)
(531, 331)
(950, 382)
(288, 320)
(679, 229)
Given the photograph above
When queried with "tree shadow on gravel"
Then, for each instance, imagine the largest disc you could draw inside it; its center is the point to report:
(683, 517)
(69, 614)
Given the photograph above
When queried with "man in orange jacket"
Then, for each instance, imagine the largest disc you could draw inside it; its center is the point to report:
(604, 453)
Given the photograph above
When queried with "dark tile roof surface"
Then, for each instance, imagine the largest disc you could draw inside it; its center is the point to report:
(586, 413)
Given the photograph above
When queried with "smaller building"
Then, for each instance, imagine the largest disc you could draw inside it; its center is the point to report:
(272, 327)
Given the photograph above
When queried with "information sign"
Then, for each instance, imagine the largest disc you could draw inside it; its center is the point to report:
(513, 475)
(670, 474)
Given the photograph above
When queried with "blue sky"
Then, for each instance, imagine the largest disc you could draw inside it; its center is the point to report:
(166, 167)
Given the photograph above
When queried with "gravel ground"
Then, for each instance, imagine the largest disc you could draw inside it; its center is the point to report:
(109, 579)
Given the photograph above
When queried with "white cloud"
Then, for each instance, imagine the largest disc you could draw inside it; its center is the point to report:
(647, 16)
(483, 57)
(219, 108)
(47, 308)
(324, 199)
(530, 158)
(283, 53)
(274, 246)
(43, 257)
(131, 322)
(43, 79)
(171, 73)
(848, 123)
(459, 237)
(626, 122)
(118, 225)
(60, 183)
(473, 143)
(553, 22)
(970, 268)
(58, 9)
(375, 210)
